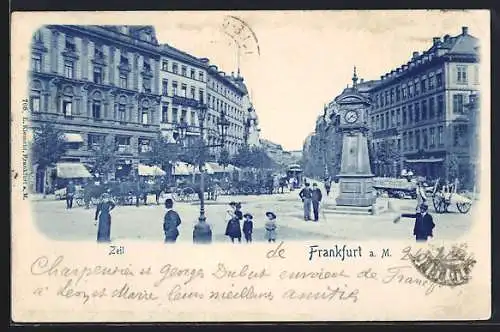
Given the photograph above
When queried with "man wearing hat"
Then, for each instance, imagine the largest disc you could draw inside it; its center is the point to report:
(306, 196)
(248, 227)
(424, 223)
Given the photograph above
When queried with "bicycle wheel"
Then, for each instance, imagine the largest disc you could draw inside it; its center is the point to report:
(464, 207)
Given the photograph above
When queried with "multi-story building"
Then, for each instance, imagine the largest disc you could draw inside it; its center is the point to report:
(225, 95)
(117, 84)
(98, 84)
(418, 108)
(183, 90)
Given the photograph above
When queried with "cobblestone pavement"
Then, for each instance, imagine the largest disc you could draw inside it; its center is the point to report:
(145, 222)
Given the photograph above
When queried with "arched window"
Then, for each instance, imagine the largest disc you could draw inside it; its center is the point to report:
(35, 103)
(122, 109)
(97, 105)
(67, 101)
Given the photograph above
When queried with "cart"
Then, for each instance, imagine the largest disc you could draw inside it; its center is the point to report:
(396, 188)
(447, 196)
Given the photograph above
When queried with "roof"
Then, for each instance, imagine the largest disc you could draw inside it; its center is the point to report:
(181, 55)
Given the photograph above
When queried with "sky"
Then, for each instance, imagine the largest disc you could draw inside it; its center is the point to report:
(307, 57)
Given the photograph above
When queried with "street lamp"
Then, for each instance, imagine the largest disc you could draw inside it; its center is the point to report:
(202, 232)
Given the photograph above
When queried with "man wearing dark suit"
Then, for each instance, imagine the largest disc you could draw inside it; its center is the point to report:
(170, 222)
(424, 223)
(316, 199)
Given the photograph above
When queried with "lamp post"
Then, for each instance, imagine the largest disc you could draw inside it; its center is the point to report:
(202, 232)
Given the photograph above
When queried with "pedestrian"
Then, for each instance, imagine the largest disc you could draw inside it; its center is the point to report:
(316, 199)
(233, 228)
(424, 223)
(70, 193)
(248, 227)
(328, 185)
(104, 207)
(306, 196)
(157, 188)
(290, 183)
(421, 196)
(170, 222)
(271, 227)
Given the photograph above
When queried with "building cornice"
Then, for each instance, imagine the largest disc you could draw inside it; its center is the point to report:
(107, 35)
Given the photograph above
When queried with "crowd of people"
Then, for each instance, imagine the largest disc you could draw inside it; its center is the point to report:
(239, 224)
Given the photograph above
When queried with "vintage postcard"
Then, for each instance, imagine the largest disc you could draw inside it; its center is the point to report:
(250, 166)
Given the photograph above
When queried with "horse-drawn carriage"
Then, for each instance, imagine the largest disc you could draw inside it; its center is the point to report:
(446, 196)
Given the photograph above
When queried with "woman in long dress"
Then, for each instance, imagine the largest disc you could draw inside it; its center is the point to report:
(103, 213)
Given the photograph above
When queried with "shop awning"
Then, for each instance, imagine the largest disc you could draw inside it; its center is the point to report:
(181, 168)
(218, 168)
(72, 170)
(429, 160)
(145, 170)
(73, 138)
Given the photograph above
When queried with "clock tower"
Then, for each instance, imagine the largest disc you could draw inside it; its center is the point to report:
(355, 177)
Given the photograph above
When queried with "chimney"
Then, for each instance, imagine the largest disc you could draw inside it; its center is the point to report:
(465, 31)
(415, 55)
(435, 40)
(446, 37)
(361, 80)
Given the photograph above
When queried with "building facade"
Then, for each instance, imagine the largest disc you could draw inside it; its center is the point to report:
(183, 90)
(225, 95)
(100, 86)
(117, 85)
(418, 110)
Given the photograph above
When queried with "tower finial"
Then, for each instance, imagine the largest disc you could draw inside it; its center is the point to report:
(354, 79)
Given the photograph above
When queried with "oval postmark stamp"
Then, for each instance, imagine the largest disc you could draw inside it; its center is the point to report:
(448, 267)
(242, 34)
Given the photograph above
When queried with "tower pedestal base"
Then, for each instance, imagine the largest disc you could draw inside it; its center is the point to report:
(356, 191)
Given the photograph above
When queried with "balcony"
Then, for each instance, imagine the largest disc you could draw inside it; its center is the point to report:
(124, 149)
(178, 100)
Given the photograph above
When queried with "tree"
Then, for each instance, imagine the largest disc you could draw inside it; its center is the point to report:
(48, 145)
(254, 157)
(47, 148)
(224, 157)
(105, 159)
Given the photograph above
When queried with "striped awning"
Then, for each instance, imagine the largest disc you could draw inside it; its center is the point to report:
(73, 138)
(72, 171)
(145, 170)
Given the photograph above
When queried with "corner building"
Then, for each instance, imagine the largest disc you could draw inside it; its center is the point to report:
(419, 107)
(183, 90)
(97, 84)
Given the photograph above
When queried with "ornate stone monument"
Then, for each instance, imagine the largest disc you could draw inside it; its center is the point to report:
(355, 177)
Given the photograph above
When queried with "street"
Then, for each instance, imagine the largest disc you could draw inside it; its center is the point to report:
(145, 222)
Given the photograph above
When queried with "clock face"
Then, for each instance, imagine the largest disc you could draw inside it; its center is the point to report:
(351, 116)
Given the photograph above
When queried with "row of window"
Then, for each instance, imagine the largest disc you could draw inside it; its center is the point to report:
(221, 106)
(122, 143)
(191, 119)
(223, 90)
(426, 138)
(183, 92)
(97, 74)
(184, 70)
(408, 90)
(427, 109)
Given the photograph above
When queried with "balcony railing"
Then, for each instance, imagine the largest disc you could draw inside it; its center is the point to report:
(124, 149)
(179, 100)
